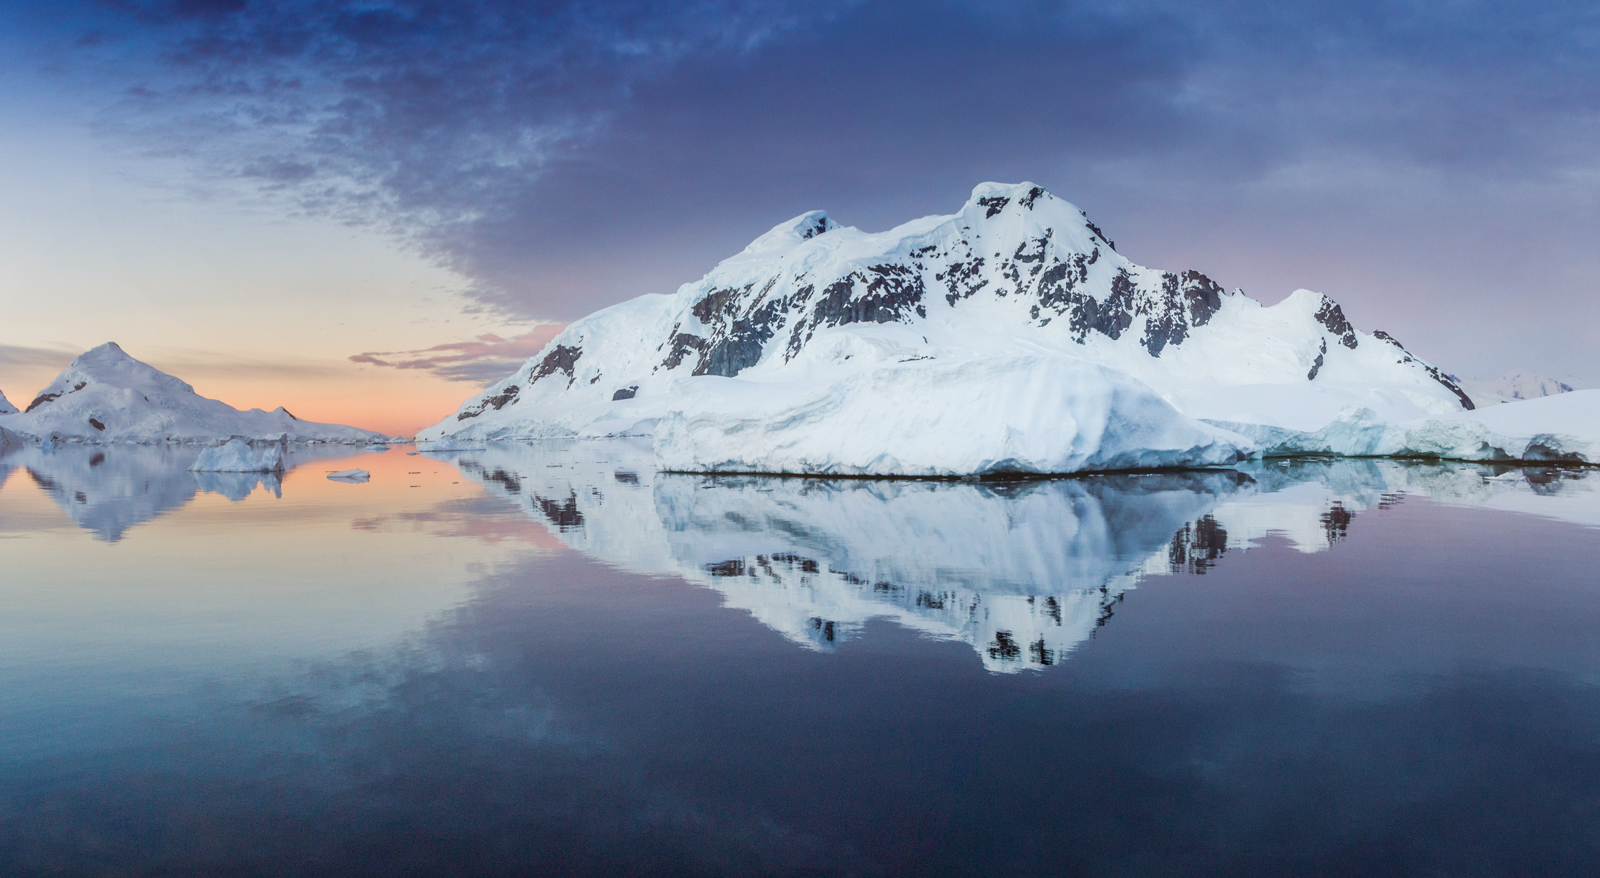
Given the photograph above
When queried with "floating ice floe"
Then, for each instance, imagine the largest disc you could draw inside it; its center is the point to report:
(237, 456)
(350, 475)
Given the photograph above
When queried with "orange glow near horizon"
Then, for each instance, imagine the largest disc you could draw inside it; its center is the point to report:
(392, 401)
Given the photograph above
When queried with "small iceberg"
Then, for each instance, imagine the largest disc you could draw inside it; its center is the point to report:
(350, 475)
(238, 457)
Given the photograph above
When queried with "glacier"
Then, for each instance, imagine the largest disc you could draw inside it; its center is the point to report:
(105, 396)
(1009, 337)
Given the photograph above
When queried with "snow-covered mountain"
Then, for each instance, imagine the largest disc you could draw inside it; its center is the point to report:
(1520, 385)
(1003, 331)
(105, 396)
(6, 408)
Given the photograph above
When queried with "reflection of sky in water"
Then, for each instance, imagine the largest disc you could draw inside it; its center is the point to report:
(1379, 671)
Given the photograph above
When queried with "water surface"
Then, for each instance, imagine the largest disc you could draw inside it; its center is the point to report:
(550, 659)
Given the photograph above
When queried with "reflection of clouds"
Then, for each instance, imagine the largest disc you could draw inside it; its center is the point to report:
(479, 518)
(1023, 572)
(109, 489)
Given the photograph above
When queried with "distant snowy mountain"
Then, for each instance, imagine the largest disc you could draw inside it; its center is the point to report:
(6, 408)
(1514, 386)
(105, 396)
(1008, 336)
(1519, 385)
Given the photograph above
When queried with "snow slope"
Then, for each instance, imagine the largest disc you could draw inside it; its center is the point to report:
(6, 408)
(1017, 274)
(105, 396)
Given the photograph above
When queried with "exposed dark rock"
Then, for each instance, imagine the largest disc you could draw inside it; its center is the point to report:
(1331, 316)
(497, 402)
(890, 293)
(1033, 195)
(961, 279)
(682, 345)
(740, 345)
(818, 226)
(40, 400)
(625, 393)
(1110, 318)
(1099, 234)
(995, 204)
(97, 425)
(564, 358)
(1204, 296)
(1433, 371)
(1317, 365)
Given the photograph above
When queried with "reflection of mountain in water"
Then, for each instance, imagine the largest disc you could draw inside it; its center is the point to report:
(1023, 571)
(110, 489)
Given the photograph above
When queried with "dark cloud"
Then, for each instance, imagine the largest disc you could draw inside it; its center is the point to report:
(482, 360)
(563, 155)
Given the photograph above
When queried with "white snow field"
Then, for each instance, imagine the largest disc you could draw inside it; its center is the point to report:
(953, 416)
(1008, 337)
(105, 396)
(238, 456)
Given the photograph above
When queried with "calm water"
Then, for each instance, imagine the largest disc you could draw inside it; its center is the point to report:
(550, 659)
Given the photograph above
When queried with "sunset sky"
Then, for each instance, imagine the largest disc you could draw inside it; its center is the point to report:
(364, 211)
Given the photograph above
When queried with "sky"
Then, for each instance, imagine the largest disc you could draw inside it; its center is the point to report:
(365, 211)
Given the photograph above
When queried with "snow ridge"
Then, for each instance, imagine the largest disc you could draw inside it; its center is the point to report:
(106, 396)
